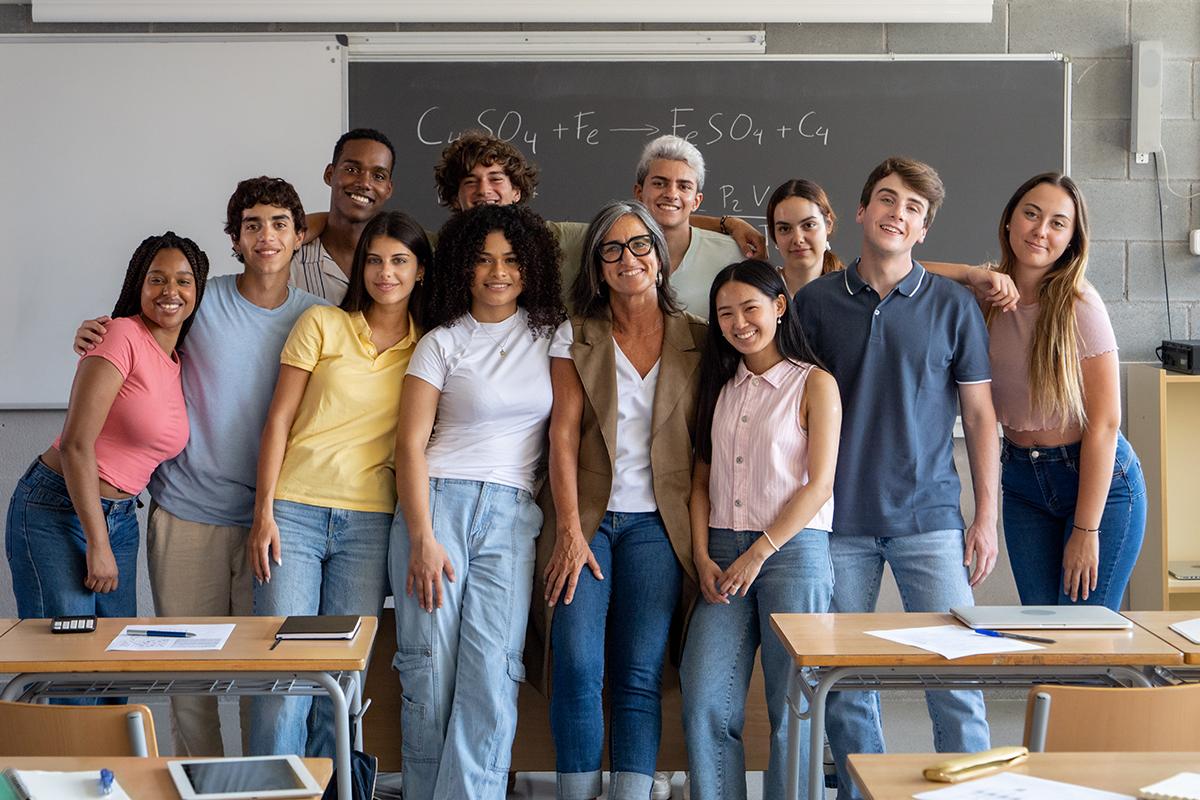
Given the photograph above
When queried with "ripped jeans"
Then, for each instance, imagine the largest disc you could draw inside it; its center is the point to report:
(460, 666)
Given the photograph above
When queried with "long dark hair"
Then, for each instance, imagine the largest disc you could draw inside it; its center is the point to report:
(720, 360)
(460, 241)
(129, 302)
(404, 229)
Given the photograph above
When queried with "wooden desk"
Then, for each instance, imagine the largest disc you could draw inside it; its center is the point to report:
(898, 775)
(838, 655)
(51, 664)
(7, 624)
(141, 778)
(1158, 622)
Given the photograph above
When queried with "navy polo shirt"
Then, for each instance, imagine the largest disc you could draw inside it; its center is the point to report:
(898, 362)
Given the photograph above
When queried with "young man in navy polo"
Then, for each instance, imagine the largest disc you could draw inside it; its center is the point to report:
(908, 349)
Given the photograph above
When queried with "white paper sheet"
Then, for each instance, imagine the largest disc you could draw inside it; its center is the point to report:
(208, 637)
(1185, 785)
(953, 641)
(41, 784)
(1014, 786)
(1188, 629)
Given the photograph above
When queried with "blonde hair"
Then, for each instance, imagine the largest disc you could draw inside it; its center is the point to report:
(1055, 374)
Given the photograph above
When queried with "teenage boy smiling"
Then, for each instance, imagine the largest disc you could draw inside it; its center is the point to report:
(202, 502)
(907, 348)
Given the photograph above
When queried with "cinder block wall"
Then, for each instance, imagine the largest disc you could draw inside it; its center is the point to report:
(1096, 34)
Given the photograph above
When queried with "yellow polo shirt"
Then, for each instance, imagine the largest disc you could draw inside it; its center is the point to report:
(341, 449)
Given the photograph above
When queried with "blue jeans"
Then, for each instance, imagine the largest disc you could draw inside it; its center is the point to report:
(719, 658)
(47, 550)
(334, 562)
(1040, 488)
(931, 577)
(639, 594)
(460, 665)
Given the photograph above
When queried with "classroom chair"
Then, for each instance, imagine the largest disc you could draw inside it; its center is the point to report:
(28, 729)
(1084, 718)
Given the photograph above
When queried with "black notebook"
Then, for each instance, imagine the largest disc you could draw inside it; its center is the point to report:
(321, 627)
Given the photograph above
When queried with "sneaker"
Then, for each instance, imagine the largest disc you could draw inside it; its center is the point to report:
(662, 786)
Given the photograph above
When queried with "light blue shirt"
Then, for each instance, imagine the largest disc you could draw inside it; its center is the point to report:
(230, 363)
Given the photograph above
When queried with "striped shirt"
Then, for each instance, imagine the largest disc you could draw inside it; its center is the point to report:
(760, 450)
(315, 271)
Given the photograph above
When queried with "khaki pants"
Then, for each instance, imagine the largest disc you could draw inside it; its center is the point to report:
(198, 570)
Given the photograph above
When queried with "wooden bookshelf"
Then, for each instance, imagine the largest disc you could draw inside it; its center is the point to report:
(1164, 429)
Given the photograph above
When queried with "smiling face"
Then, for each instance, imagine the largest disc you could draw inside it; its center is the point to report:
(267, 239)
(1041, 227)
(894, 220)
(671, 191)
(169, 290)
(484, 184)
(801, 233)
(748, 318)
(631, 274)
(497, 283)
(390, 270)
(361, 180)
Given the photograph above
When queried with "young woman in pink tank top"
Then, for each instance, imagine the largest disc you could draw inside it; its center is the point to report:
(1074, 497)
(72, 532)
(767, 432)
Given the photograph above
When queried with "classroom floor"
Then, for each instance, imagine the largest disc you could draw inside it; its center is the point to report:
(905, 722)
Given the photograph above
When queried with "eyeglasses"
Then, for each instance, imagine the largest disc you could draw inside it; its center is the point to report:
(610, 252)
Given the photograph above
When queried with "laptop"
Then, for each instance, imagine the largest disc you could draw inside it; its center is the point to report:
(1184, 570)
(1018, 617)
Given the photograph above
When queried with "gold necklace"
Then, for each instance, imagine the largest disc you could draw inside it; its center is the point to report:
(502, 345)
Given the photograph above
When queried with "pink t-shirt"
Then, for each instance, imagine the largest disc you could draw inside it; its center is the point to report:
(760, 452)
(147, 423)
(1011, 338)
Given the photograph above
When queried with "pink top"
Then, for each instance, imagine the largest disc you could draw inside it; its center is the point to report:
(760, 452)
(1011, 338)
(147, 423)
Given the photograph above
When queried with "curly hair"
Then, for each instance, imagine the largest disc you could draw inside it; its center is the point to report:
(265, 191)
(474, 148)
(460, 242)
(129, 301)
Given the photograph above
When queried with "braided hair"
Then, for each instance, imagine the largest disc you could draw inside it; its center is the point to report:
(129, 302)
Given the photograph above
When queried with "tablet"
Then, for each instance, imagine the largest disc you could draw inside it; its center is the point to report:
(242, 778)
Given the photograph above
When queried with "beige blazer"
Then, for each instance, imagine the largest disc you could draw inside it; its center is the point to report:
(673, 433)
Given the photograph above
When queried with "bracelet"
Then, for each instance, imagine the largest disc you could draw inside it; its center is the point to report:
(725, 231)
(771, 542)
(1085, 530)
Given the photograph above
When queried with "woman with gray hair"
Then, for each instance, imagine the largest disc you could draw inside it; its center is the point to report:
(616, 543)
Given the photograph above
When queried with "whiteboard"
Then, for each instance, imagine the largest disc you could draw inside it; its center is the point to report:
(105, 142)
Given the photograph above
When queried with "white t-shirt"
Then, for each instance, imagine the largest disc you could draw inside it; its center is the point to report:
(494, 410)
(633, 483)
(707, 254)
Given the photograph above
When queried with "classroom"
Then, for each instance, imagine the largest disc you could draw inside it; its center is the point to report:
(141, 117)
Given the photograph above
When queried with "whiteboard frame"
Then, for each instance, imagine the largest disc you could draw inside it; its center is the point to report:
(217, 259)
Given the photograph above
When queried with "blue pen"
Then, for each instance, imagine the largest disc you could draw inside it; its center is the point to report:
(106, 781)
(166, 634)
(1006, 635)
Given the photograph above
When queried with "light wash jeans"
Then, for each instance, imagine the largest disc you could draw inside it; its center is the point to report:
(47, 550)
(334, 562)
(623, 620)
(719, 658)
(460, 665)
(1041, 485)
(931, 577)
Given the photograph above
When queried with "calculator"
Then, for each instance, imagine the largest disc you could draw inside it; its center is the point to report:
(81, 624)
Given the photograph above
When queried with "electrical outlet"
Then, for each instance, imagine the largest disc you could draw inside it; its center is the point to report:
(1194, 242)
(1141, 158)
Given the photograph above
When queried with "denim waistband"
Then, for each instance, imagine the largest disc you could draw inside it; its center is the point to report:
(482, 486)
(43, 477)
(1062, 452)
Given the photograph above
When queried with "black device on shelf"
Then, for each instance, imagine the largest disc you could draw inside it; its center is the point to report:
(1180, 355)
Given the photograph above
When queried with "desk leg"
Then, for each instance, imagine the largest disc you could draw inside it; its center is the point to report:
(16, 687)
(793, 762)
(341, 723)
(356, 708)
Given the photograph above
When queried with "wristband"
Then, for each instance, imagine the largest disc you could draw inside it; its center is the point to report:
(1085, 530)
(725, 231)
(771, 542)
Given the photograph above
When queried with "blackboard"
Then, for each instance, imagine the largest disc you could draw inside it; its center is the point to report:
(985, 124)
